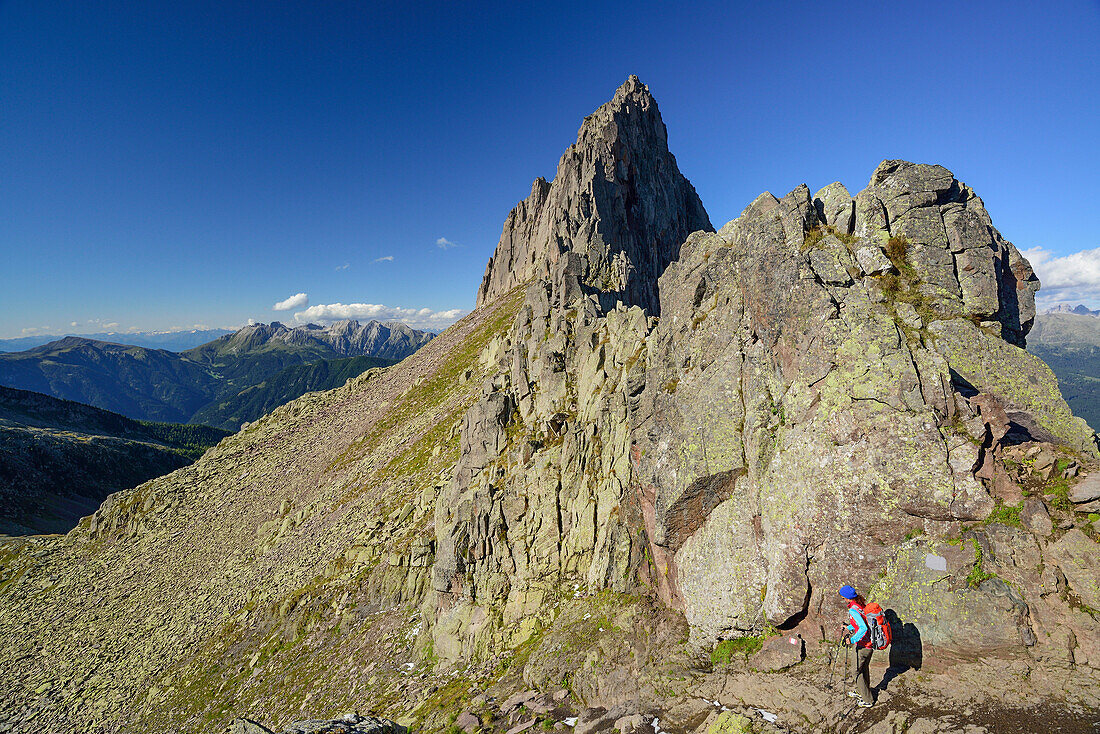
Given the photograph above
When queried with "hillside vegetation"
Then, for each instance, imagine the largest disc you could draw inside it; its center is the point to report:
(1070, 344)
(60, 459)
(283, 386)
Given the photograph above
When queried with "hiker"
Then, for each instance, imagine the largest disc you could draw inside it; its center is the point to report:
(859, 636)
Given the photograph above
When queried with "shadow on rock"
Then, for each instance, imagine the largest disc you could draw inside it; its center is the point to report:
(906, 650)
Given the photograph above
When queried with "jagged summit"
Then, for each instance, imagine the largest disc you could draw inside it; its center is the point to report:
(345, 338)
(1079, 309)
(618, 200)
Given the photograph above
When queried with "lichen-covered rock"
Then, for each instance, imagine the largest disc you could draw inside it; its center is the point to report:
(347, 724)
(542, 507)
(835, 207)
(779, 653)
(805, 406)
(1034, 515)
(1078, 557)
(967, 268)
(1027, 388)
(1087, 490)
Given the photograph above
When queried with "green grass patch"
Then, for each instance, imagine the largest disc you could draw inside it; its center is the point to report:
(1059, 488)
(1005, 515)
(814, 237)
(904, 286)
(726, 650)
(977, 573)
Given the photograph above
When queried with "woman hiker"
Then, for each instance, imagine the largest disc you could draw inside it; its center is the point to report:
(859, 635)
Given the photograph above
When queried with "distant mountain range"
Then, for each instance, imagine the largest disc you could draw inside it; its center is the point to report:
(160, 385)
(1079, 309)
(1068, 339)
(59, 459)
(173, 341)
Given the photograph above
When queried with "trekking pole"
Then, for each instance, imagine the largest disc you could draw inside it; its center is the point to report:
(835, 658)
(847, 647)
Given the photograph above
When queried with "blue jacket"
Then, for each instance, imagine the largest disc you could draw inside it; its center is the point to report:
(857, 626)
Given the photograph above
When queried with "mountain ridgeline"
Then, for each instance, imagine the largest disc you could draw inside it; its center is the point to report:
(175, 341)
(158, 385)
(624, 489)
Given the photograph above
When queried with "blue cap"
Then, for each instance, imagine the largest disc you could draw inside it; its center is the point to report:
(848, 592)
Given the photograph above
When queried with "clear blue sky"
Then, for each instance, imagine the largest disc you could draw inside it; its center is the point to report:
(169, 164)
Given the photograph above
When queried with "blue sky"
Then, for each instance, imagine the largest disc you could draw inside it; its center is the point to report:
(170, 164)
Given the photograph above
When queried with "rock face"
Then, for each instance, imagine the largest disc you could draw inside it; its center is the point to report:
(828, 376)
(618, 201)
(804, 411)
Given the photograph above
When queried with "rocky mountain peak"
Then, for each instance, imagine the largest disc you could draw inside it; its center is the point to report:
(958, 263)
(618, 201)
(1079, 309)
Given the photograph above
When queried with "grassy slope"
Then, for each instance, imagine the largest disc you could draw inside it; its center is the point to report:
(231, 586)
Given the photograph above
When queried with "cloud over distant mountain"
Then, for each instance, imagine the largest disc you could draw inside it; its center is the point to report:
(421, 318)
(298, 300)
(1071, 278)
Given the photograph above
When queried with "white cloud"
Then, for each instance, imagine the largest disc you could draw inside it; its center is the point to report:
(385, 259)
(445, 244)
(1073, 278)
(252, 322)
(298, 300)
(345, 266)
(73, 324)
(111, 325)
(420, 318)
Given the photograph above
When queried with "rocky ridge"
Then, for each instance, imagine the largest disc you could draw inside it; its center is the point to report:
(618, 204)
(346, 338)
(569, 504)
(1079, 309)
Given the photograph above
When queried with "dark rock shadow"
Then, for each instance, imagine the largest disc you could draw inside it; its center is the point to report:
(906, 649)
(962, 385)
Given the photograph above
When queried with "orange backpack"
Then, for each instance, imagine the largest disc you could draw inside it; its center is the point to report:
(877, 625)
